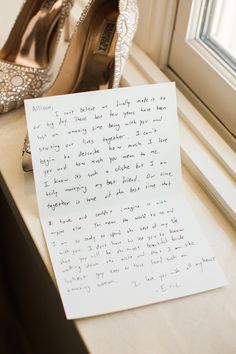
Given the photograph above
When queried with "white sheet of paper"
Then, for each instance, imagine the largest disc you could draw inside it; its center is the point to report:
(108, 181)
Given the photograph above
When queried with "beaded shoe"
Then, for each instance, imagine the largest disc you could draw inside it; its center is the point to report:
(97, 52)
(26, 57)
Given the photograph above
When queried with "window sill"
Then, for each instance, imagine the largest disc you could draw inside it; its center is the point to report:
(204, 153)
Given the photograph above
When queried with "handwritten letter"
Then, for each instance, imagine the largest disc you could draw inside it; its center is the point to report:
(108, 182)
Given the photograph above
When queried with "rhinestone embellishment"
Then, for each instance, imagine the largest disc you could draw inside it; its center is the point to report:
(18, 83)
(126, 28)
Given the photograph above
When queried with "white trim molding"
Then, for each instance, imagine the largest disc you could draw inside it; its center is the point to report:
(198, 66)
(204, 153)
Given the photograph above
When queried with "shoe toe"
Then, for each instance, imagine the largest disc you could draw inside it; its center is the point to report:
(18, 83)
(26, 156)
(8, 102)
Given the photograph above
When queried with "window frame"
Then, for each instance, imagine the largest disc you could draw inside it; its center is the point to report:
(200, 68)
(205, 35)
(209, 156)
(214, 170)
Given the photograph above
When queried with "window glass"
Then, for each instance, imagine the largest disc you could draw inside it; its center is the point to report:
(218, 28)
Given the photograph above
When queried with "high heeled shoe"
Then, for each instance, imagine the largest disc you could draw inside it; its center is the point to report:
(27, 55)
(97, 52)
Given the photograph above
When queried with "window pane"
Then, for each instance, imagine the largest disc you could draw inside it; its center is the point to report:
(218, 29)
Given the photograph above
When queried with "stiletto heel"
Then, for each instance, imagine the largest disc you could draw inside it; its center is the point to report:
(26, 57)
(97, 52)
(67, 29)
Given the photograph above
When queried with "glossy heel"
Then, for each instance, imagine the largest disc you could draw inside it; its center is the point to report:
(67, 29)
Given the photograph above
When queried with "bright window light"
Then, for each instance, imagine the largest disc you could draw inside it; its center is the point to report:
(218, 29)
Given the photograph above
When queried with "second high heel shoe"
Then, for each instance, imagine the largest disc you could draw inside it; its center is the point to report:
(97, 52)
(26, 57)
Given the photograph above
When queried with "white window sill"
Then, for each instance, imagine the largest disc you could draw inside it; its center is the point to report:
(120, 333)
(204, 153)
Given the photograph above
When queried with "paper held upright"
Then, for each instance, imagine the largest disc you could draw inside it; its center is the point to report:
(108, 180)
